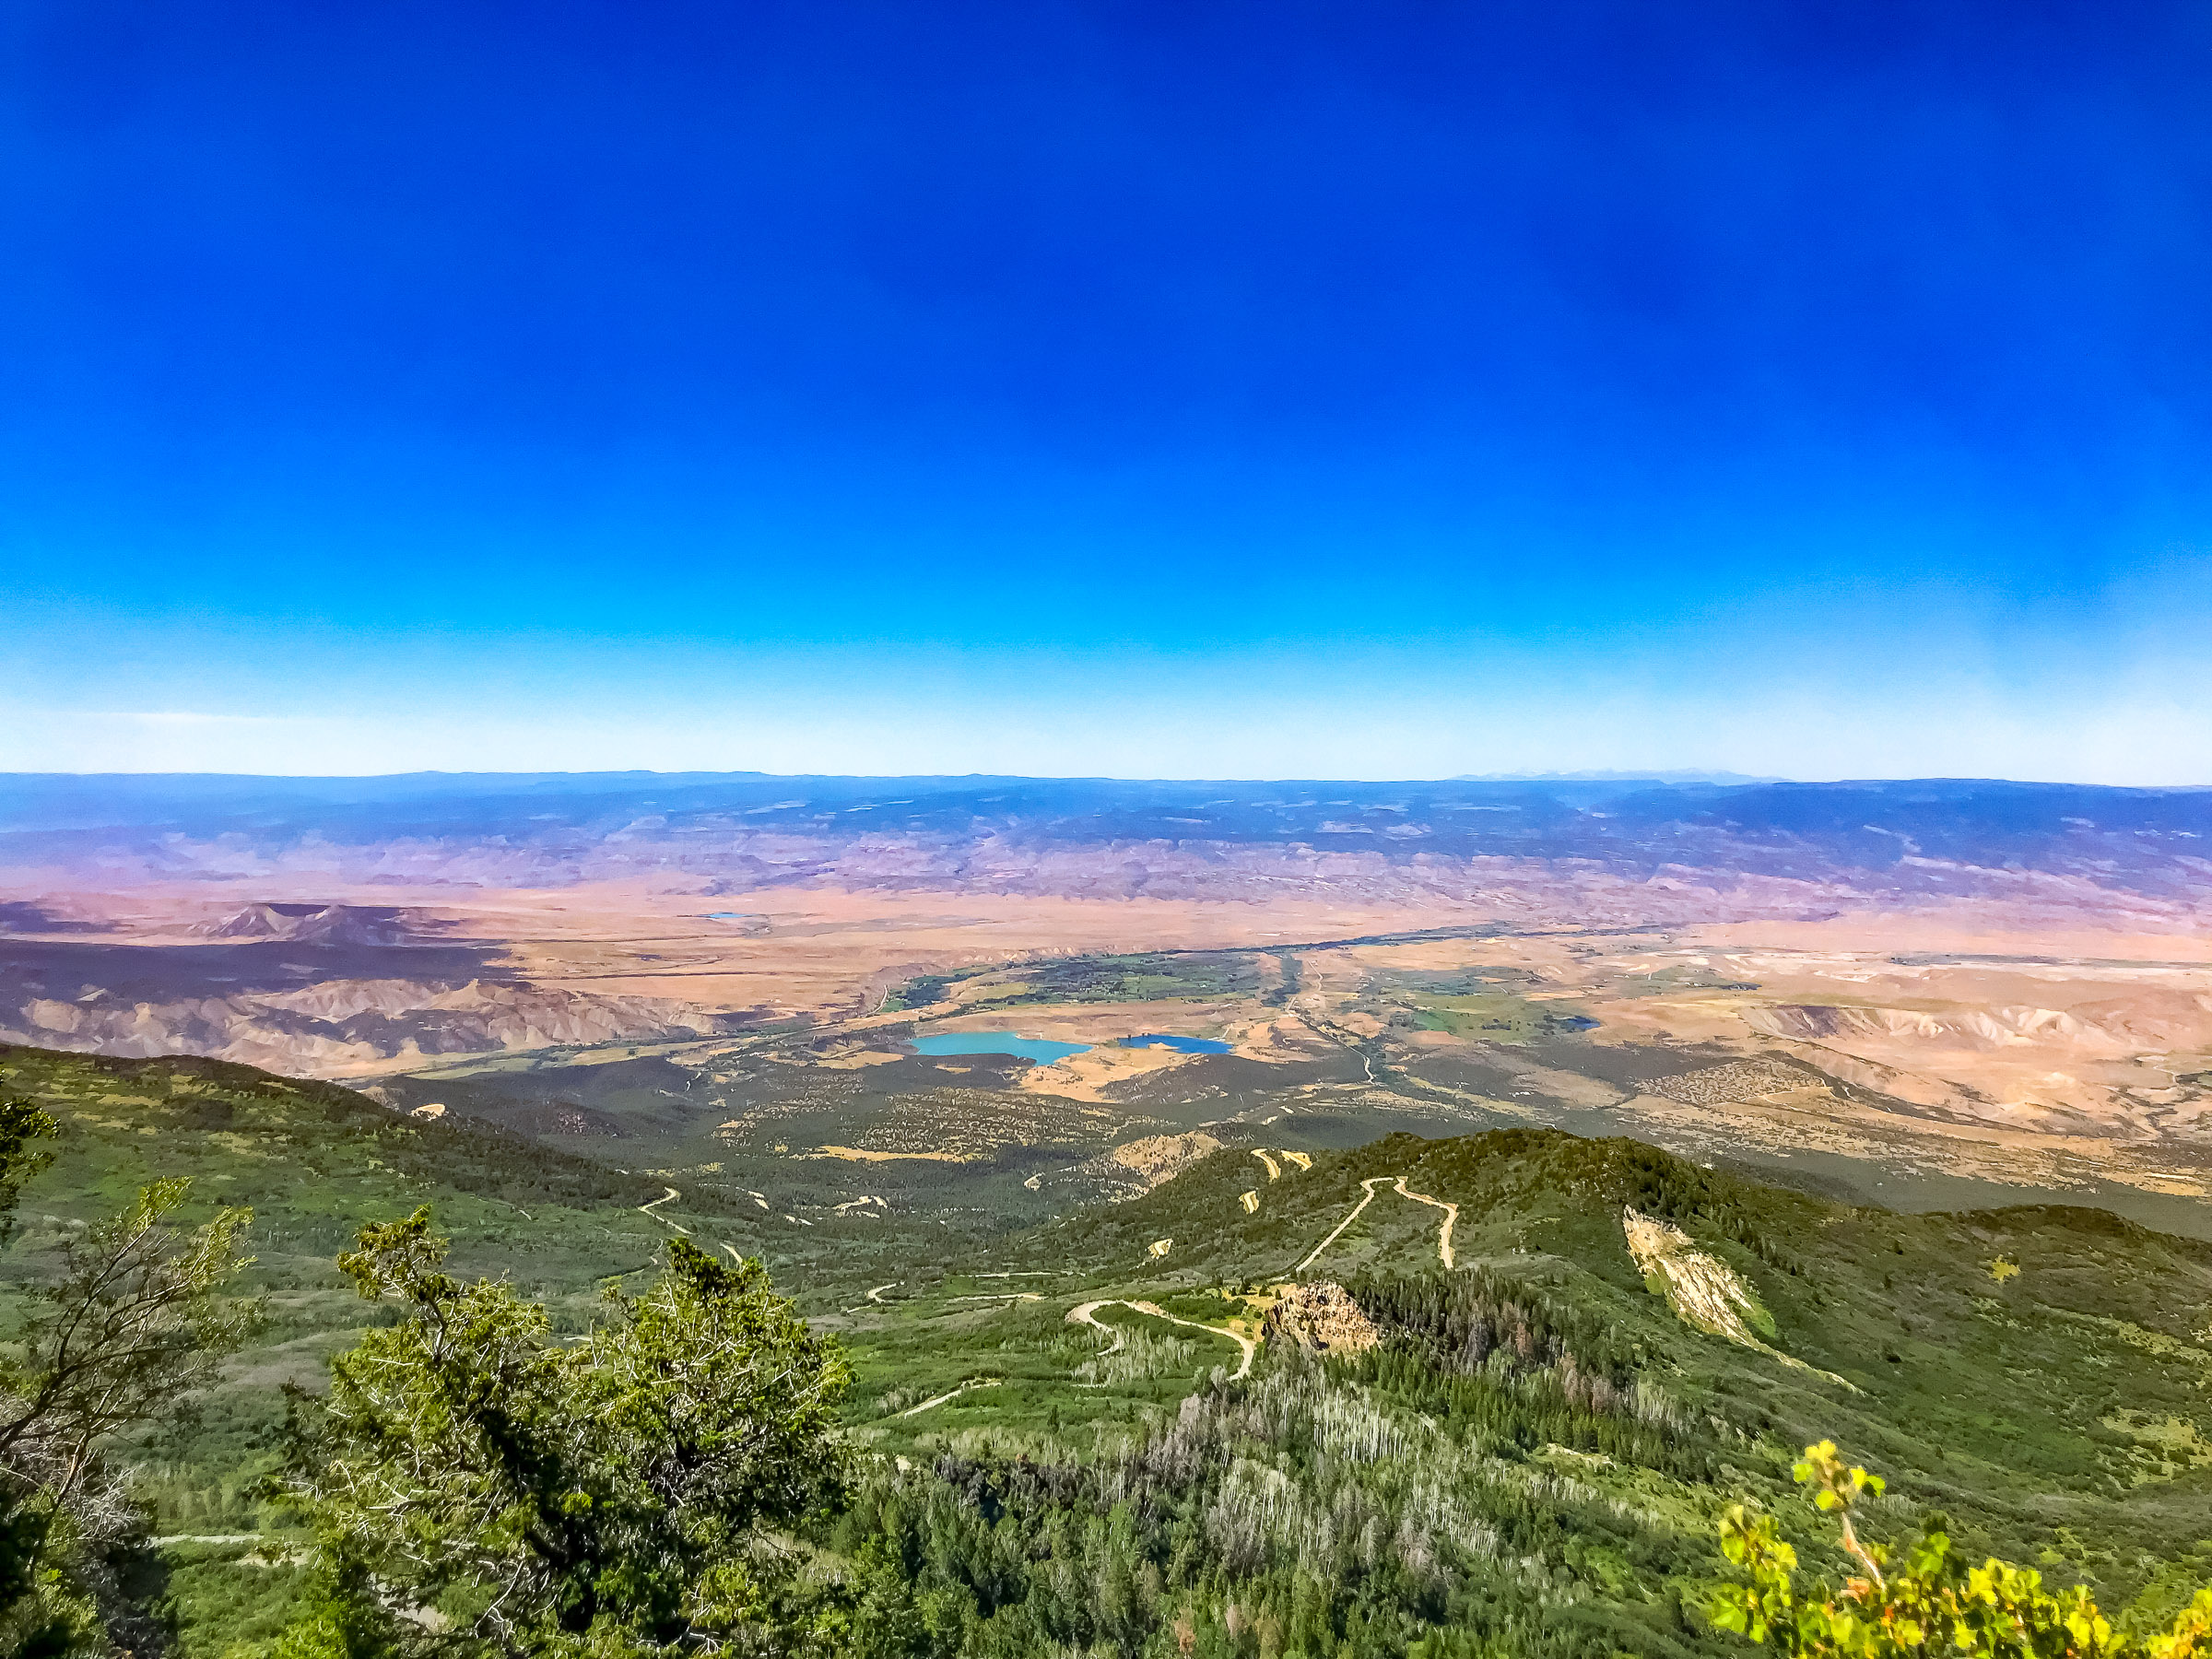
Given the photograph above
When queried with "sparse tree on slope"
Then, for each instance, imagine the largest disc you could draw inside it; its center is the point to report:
(137, 1321)
(615, 1495)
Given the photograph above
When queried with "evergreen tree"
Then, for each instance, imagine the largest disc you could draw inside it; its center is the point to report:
(621, 1494)
(135, 1323)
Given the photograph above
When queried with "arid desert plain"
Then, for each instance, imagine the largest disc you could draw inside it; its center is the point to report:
(738, 974)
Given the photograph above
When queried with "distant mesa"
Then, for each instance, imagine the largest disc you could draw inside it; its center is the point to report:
(322, 925)
(1135, 1167)
(1157, 1157)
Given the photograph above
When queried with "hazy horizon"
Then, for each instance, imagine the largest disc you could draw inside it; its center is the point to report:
(1692, 776)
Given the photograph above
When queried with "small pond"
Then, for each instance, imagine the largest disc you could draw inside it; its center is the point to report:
(1181, 1045)
(1040, 1049)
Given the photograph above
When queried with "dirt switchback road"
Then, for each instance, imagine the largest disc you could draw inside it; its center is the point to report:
(1086, 1313)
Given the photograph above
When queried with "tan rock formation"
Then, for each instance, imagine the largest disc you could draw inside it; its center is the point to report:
(1322, 1318)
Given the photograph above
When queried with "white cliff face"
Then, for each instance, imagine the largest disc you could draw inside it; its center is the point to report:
(1704, 1291)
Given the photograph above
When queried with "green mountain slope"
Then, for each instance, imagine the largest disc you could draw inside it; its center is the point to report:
(2029, 1348)
(315, 1162)
(1532, 1458)
(1541, 1444)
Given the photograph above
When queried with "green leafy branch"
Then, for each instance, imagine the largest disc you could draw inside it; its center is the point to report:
(1925, 1600)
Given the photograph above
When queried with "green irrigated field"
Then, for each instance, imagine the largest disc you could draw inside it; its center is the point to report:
(1498, 1017)
(1147, 977)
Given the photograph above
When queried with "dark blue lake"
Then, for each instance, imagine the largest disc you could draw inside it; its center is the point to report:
(1040, 1049)
(1181, 1045)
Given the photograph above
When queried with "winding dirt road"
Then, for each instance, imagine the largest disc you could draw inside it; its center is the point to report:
(950, 1395)
(1086, 1313)
(647, 1209)
(1370, 1184)
(1443, 1234)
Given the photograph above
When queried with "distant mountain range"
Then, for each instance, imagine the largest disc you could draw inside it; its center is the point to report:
(749, 830)
(1692, 776)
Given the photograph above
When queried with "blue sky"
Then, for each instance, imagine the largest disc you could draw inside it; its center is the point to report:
(1224, 390)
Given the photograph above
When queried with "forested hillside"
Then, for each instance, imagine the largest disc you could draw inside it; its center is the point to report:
(1538, 1449)
(1054, 1440)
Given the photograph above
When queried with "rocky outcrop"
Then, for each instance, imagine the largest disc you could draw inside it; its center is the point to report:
(1322, 1318)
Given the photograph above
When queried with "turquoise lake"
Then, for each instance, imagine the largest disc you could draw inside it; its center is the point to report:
(1039, 1048)
(1181, 1045)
